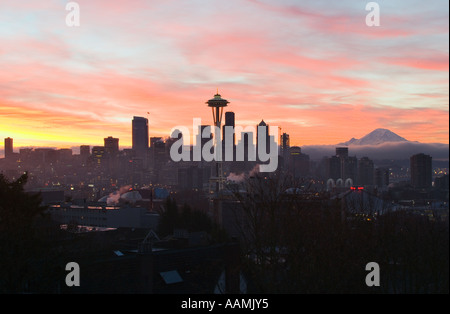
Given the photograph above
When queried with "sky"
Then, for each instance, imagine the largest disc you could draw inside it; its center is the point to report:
(315, 69)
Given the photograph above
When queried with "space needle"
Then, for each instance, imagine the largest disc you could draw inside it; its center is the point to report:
(217, 104)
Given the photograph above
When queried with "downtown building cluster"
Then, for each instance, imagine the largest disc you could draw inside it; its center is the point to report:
(99, 170)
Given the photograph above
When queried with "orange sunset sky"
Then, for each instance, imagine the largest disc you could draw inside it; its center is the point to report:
(313, 68)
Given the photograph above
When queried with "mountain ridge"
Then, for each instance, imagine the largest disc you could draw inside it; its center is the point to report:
(376, 137)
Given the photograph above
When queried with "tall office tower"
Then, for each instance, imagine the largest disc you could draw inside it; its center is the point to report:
(349, 165)
(9, 151)
(98, 155)
(381, 177)
(365, 171)
(229, 121)
(85, 152)
(140, 136)
(260, 139)
(421, 170)
(245, 150)
(333, 168)
(200, 140)
(111, 145)
(349, 168)
(284, 149)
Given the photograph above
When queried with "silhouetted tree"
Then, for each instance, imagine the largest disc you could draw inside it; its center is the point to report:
(296, 244)
(168, 218)
(20, 245)
(187, 218)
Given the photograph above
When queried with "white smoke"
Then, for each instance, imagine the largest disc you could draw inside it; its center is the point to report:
(242, 176)
(114, 197)
(236, 177)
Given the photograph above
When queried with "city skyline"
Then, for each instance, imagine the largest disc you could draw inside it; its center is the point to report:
(380, 143)
(315, 69)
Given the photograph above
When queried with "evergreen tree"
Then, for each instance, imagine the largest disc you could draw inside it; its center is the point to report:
(20, 245)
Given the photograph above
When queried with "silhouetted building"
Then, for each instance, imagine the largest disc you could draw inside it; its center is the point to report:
(381, 177)
(202, 140)
(25, 154)
(64, 155)
(341, 166)
(9, 151)
(349, 165)
(98, 155)
(44, 155)
(171, 140)
(349, 168)
(442, 182)
(342, 152)
(284, 149)
(333, 168)
(262, 140)
(246, 150)
(154, 140)
(230, 122)
(140, 136)
(299, 164)
(111, 145)
(365, 171)
(85, 151)
(421, 171)
(158, 153)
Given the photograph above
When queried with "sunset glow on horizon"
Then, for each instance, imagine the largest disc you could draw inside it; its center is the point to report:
(313, 68)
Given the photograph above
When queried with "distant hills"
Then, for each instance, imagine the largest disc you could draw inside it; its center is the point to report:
(376, 137)
(381, 144)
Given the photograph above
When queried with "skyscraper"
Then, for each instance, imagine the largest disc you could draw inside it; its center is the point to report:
(421, 170)
(229, 121)
(200, 140)
(85, 150)
(140, 135)
(333, 168)
(381, 177)
(8, 148)
(111, 145)
(284, 149)
(349, 168)
(245, 149)
(365, 171)
(349, 165)
(98, 155)
(262, 140)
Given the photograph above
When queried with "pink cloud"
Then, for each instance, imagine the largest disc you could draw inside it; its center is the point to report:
(433, 63)
(321, 74)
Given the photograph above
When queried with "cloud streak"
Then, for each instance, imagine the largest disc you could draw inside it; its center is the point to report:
(313, 68)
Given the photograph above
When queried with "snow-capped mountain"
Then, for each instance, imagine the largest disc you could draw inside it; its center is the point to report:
(376, 137)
